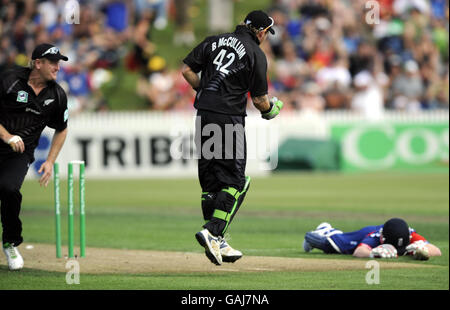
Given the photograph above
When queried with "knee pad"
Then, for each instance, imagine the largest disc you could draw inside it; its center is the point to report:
(319, 242)
(225, 203)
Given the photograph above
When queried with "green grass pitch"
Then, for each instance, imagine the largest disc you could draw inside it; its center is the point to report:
(278, 210)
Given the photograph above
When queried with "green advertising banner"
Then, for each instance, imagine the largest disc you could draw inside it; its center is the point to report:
(393, 146)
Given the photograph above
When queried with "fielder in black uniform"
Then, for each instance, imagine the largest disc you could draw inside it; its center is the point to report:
(231, 65)
(30, 100)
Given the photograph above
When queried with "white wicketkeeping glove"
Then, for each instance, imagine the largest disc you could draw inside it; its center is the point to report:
(418, 250)
(384, 251)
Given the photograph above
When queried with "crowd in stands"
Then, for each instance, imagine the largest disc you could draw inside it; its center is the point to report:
(367, 56)
(354, 54)
(99, 37)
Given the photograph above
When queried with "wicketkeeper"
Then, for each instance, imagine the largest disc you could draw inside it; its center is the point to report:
(231, 65)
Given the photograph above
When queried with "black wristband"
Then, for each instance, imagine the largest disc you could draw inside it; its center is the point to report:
(270, 109)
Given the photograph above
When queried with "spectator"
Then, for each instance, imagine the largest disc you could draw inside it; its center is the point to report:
(408, 88)
(437, 92)
(159, 7)
(290, 68)
(184, 93)
(116, 16)
(313, 8)
(363, 59)
(311, 99)
(78, 86)
(335, 75)
(440, 38)
(48, 14)
(184, 32)
(159, 91)
(328, 42)
(277, 40)
(220, 15)
(368, 97)
(143, 48)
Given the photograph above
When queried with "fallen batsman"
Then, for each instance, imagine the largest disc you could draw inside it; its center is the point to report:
(390, 240)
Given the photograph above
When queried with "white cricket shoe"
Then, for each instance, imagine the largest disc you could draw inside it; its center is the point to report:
(211, 245)
(326, 230)
(15, 260)
(322, 230)
(229, 255)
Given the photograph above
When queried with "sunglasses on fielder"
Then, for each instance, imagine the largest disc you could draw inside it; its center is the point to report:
(271, 24)
(52, 50)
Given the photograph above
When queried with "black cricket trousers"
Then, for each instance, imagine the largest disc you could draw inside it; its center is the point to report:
(13, 169)
(222, 156)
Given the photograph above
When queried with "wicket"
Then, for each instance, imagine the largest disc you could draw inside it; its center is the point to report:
(70, 190)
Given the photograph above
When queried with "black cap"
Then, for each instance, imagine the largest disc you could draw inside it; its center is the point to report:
(396, 232)
(260, 21)
(48, 51)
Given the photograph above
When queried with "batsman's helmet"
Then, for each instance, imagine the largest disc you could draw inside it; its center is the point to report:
(396, 232)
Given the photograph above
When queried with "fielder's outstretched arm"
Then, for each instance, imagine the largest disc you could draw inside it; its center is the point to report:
(47, 167)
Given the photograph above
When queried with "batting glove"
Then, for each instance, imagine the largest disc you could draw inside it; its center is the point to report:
(418, 250)
(275, 108)
(384, 251)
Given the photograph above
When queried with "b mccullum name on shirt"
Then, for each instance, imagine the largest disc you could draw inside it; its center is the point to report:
(232, 42)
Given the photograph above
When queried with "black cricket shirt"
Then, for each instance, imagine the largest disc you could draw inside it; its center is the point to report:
(231, 65)
(24, 114)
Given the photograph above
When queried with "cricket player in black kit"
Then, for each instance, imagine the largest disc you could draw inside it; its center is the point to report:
(30, 100)
(231, 65)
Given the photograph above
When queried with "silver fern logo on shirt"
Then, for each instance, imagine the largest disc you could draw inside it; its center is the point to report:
(48, 101)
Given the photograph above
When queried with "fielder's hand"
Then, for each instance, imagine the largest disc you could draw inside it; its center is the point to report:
(47, 170)
(384, 251)
(16, 143)
(275, 108)
(418, 250)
